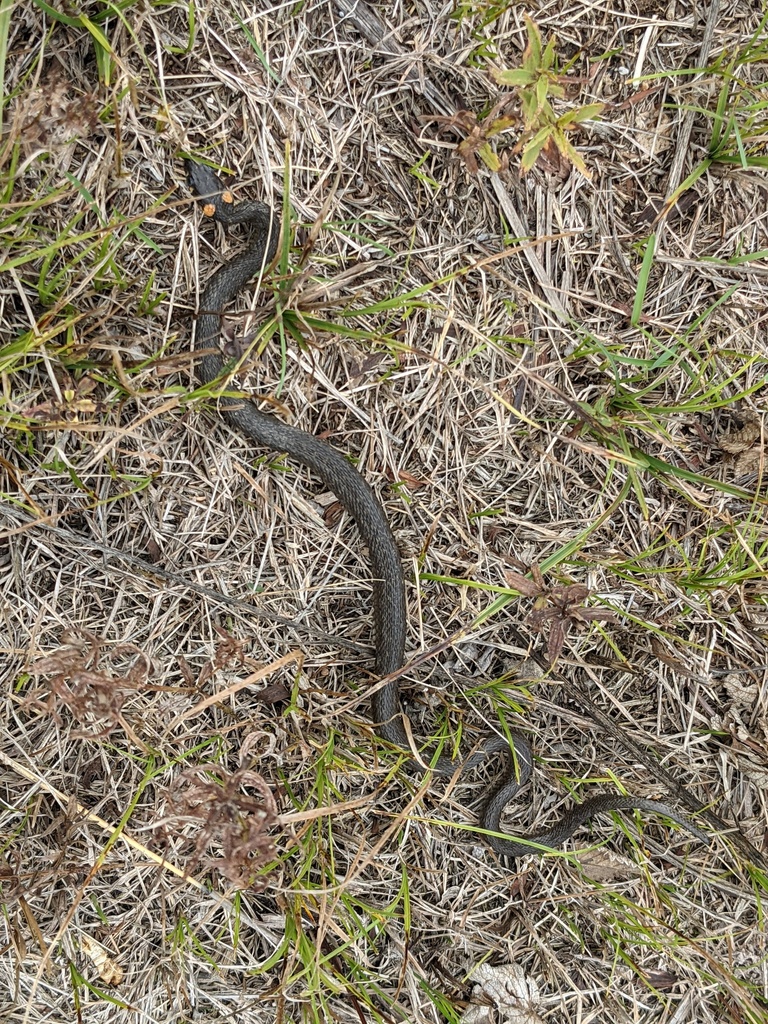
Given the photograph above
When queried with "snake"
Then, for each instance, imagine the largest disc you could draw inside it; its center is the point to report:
(386, 571)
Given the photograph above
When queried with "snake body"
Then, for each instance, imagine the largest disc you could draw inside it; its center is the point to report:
(389, 606)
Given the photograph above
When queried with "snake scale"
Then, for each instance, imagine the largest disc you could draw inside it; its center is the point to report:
(336, 473)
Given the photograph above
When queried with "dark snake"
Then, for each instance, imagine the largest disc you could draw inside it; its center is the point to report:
(389, 607)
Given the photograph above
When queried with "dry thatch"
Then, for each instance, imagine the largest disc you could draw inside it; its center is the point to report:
(476, 343)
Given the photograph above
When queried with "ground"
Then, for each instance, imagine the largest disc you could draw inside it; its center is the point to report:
(532, 311)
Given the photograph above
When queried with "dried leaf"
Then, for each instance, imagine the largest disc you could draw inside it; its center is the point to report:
(110, 972)
(506, 987)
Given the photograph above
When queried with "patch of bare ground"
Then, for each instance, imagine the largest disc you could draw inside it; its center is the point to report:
(543, 377)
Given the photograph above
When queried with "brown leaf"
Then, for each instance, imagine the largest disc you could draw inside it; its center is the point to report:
(516, 580)
(411, 481)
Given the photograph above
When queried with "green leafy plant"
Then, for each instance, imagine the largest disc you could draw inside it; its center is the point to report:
(536, 83)
(527, 102)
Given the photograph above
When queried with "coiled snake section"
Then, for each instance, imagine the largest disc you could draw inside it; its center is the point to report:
(336, 473)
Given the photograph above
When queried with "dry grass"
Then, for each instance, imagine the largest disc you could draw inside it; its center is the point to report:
(589, 403)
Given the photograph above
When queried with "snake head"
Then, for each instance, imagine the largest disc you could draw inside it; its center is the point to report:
(219, 205)
(202, 179)
(218, 200)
